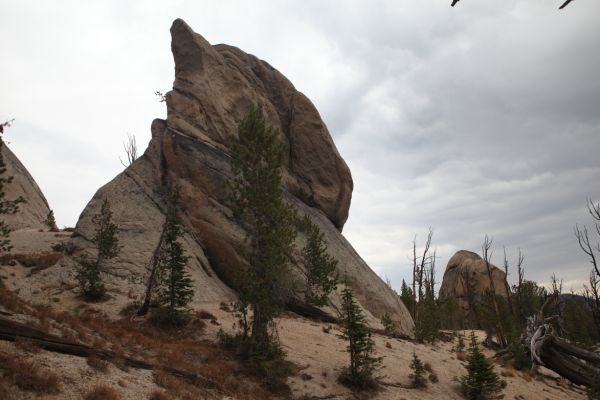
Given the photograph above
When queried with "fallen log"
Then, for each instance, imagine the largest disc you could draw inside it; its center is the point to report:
(11, 330)
(578, 365)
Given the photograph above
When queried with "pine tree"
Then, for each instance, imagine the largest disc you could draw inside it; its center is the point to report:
(50, 222)
(107, 244)
(418, 375)
(175, 287)
(427, 327)
(481, 381)
(257, 200)
(321, 278)
(460, 347)
(406, 295)
(6, 206)
(361, 346)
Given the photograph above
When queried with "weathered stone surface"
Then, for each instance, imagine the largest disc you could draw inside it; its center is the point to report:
(215, 86)
(33, 213)
(466, 262)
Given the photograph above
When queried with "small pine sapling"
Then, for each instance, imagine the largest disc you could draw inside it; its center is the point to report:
(361, 346)
(388, 324)
(175, 287)
(107, 243)
(50, 222)
(481, 381)
(321, 278)
(418, 375)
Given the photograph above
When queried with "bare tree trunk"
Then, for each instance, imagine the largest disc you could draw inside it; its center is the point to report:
(580, 366)
(521, 272)
(487, 245)
(414, 282)
(507, 286)
(154, 261)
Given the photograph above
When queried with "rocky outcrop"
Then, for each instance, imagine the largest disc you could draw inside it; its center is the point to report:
(215, 86)
(465, 264)
(34, 211)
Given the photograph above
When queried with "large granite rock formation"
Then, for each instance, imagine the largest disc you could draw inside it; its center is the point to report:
(215, 86)
(466, 263)
(34, 212)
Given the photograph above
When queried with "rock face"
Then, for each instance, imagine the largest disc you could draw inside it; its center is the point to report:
(215, 86)
(466, 263)
(34, 212)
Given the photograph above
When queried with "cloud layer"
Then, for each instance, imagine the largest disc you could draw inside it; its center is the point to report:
(479, 119)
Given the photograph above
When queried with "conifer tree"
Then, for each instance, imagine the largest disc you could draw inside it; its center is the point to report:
(257, 156)
(361, 346)
(418, 374)
(50, 222)
(321, 278)
(406, 295)
(6, 206)
(481, 381)
(427, 327)
(107, 244)
(175, 288)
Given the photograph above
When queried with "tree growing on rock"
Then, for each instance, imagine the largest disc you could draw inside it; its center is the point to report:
(6, 206)
(107, 244)
(321, 278)
(361, 346)
(175, 288)
(257, 200)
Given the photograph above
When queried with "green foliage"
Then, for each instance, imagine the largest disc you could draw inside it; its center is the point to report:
(105, 237)
(50, 222)
(418, 374)
(450, 316)
(361, 346)
(107, 244)
(174, 285)
(321, 278)
(406, 295)
(88, 276)
(528, 300)
(481, 381)
(257, 200)
(388, 324)
(427, 326)
(578, 323)
(6, 206)
(460, 346)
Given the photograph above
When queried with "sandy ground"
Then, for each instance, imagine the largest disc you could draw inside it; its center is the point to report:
(318, 355)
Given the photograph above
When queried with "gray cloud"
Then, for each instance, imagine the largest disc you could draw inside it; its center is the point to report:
(480, 119)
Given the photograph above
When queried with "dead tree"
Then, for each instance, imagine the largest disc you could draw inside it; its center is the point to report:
(546, 349)
(507, 286)
(153, 273)
(520, 279)
(419, 272)
(130, 148)
(590, 249)
(487, 255)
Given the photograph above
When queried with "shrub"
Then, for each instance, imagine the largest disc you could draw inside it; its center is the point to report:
(167, 317)
(418, 375)
(29, 376)
(481, 381)
(88, 276)
(593, 391)
(102, 392)
(98, 364)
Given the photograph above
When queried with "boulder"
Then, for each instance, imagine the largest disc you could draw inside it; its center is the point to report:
(215, 86)
(466, 263)
(34, 212)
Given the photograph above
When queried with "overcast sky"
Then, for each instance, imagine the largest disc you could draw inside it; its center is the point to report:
(482, 118)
